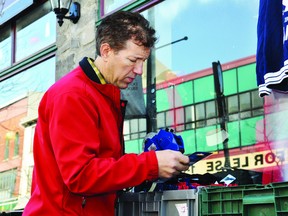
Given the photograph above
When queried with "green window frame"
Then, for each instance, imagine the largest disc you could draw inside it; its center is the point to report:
(188, 137)
(16, 144)
(6, 152)
(201, 141)
(164, 99)
(247, 77)
(248, 130)
(233, 130)
(134, 146)
(230, 82)
(7, 183)
(204, 89)
(183, 94)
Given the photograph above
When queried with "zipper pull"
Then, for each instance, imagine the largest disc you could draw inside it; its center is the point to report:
(83, 202)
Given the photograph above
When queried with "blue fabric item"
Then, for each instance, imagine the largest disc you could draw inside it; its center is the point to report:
(272, 47)
(165, 139)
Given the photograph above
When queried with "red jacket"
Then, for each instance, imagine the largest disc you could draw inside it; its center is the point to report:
(79, 166)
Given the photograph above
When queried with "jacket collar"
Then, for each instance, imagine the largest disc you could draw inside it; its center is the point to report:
(90, 69)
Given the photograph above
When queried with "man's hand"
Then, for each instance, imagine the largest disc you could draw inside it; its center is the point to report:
(171, 163)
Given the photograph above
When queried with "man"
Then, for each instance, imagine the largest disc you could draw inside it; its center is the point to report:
(79, 163)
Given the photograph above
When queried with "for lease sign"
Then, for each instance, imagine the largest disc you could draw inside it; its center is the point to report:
(249, 161)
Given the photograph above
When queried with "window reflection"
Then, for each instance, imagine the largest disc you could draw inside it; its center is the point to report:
(257, 102)
(161, 120)
(189, 114)
(142, 124)
(212, 31)
(35, 36)
(210, 109)
(37, 78)
(126, 127)
(232, 104)
(180, 116)
(5, 48)
(134, 125)
(200, 111)
(245, 103)
(183, 94)
(246, 114)
(111, 5)
(170, 118)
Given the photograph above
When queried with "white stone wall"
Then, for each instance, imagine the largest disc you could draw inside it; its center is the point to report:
(26, 170)
(75, 41)
(29, 122)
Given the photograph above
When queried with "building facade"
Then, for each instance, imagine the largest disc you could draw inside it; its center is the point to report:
(27, 67)
(11, 148)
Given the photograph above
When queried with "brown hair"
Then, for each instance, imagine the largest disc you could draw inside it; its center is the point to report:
(121, 26)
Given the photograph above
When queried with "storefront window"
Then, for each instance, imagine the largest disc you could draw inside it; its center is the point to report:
(179, 116)
(245, 102)
(134, 125)
(5, 48)
(200, 111)
(32, 36)
(7, 183)
(183, 94)
(191, 36)
(210, 109)
(163, 99)
(232, 104)
(161, 120)
(194, 34)
(37, 79)
(257, 102)
(11, 8)
(16, 144)
(189, 114)
(203, 89)
(111, 5)
(170, 119)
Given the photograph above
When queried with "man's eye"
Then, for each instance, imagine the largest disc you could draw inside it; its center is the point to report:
(133, 60)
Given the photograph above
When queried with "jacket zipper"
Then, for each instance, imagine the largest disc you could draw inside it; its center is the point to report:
(83, 201)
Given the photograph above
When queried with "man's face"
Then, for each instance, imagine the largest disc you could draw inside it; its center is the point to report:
(123, 66)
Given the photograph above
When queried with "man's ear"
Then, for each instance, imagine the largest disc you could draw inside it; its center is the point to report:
(105, 50)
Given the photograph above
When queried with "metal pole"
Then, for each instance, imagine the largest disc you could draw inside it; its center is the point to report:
(221, 105)
(151, 117)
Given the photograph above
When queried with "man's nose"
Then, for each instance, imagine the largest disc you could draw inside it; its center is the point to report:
(138, 68)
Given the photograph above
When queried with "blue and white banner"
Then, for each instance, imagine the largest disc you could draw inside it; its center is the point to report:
(135, 97)
(272, 47)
